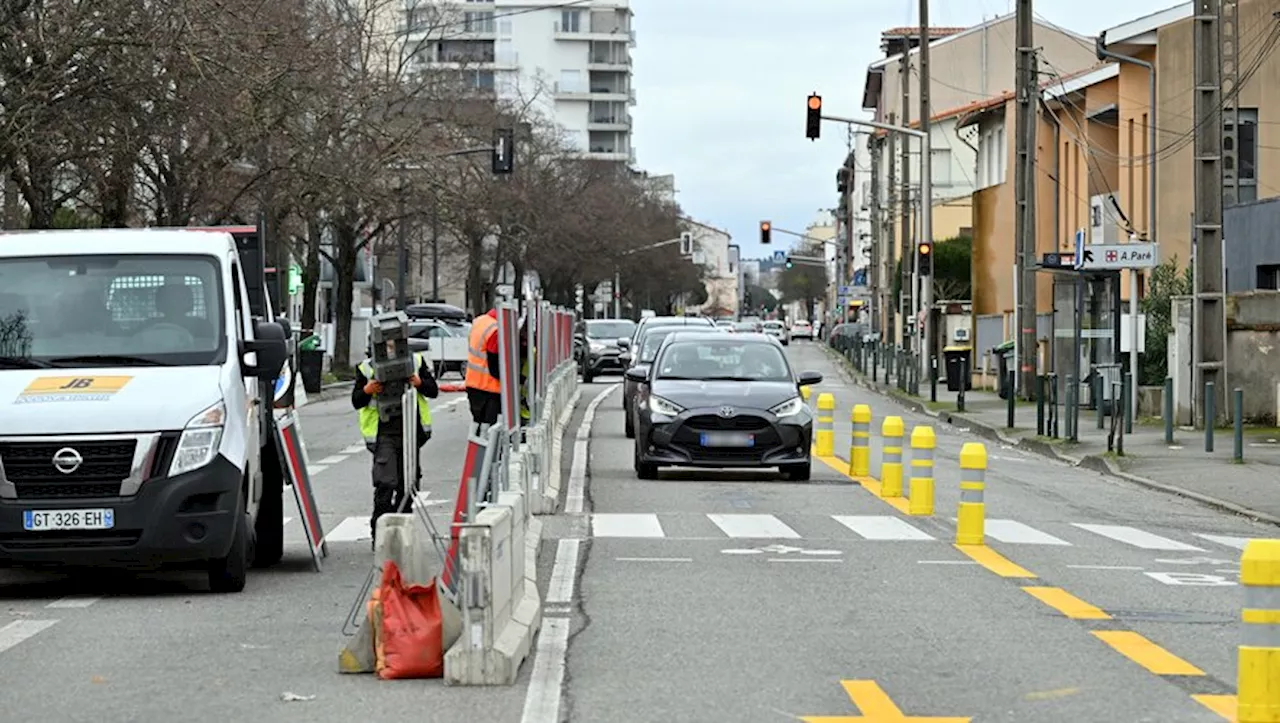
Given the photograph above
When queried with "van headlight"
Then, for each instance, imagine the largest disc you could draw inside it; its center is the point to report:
(200, 440)
(789, 408)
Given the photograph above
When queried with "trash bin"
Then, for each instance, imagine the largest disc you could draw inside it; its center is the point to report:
(959, 367)
(311, 368)
(1004, 361)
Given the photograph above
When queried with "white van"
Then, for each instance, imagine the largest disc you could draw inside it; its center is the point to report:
(136, 388)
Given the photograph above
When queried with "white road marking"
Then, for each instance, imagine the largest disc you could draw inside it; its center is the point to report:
(1017, 533)
(351, 529)
(73, 601)
(19, 630)
(315, 469)
(573, 499)
(354, 448)
(1105, 567)
(332, 459)
(564, 572)
(654, 559)
(753, 526)
(622, 525)
(945, 562)
(803, 559)
(1237, 542)
(542, 702)
(1136, 537)
(1191, 579)
(881, 527)
(287, 520)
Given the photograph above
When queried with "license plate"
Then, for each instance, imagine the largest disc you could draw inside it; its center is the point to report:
(40, 520)
(728, 439)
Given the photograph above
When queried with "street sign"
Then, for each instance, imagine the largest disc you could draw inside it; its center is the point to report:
(1079, 257)
(1115, 257)
(779, 256)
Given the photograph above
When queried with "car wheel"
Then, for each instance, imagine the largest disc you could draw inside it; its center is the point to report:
(798, 472)
(587, 376)
(629, 426)
(644, 470)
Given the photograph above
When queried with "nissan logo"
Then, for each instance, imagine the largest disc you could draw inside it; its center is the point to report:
(67, 460)
(727, 412)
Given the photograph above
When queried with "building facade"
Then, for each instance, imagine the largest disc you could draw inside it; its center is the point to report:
(573, 62)
(712, 252)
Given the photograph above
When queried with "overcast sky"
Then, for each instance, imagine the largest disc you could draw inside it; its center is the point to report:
(720, 89)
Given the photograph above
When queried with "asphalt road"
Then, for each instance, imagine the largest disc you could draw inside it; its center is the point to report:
(701, 596)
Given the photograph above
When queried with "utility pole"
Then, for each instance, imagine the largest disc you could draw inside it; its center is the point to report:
(1210, 310)
(435, 249)
(1228, 65)
(402, 255)
(873, 280)
(890, 239)
(904, 298)
(927, 343)
(1028, 85)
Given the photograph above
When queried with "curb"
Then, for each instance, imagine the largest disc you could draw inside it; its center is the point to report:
(1096, 463)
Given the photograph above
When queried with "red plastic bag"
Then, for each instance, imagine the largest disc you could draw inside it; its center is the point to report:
(410, 639)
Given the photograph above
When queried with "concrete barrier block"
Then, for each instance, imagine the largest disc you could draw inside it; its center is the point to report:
(548, 501)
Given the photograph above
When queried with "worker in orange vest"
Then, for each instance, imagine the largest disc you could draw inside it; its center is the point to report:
(484, 387)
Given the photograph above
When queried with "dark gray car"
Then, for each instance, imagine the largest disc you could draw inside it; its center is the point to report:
(721, 401)
(597, 346)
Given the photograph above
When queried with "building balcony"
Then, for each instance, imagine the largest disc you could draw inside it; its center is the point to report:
(614, 65)
(598, 93)
(599, 35)
(620, 122)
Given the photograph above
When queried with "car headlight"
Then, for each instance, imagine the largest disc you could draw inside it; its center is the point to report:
(789, 408)
(200, 440)
(664, 407)
(596, 346)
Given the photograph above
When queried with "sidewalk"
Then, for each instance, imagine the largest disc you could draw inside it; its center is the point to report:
(1251, 488)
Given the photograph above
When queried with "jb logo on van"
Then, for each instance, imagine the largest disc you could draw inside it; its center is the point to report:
(68, 388)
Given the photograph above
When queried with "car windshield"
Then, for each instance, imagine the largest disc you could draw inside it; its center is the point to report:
(728, 360)
(652, 340)
(78, 310)
(773, 325)
(610, 329)
(744, 326)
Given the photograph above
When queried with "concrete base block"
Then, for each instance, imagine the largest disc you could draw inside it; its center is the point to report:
(548, 501)
(406, 540)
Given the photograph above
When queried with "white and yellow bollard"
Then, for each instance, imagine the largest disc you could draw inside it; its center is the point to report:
(891, 433)
(824, 436)
(920, 490)
(805, 393)
(1258, 661)
(860, 446)
(971, 520)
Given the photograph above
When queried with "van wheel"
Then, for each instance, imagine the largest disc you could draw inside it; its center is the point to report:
(229, 574)
(269, 527)
(629, 426)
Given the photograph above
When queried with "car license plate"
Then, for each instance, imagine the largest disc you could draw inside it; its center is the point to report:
(728, 439)
(40, 520)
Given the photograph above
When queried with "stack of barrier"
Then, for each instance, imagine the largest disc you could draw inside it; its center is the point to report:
(500, 607)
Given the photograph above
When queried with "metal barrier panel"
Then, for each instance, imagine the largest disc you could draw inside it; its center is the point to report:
(509, 364)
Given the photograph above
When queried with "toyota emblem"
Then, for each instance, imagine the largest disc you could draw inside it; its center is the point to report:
(67, 460)
(727, 412)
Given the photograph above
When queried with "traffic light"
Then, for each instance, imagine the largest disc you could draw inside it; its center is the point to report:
(924, 253)
(765, 228)
(504, 150)
(813, 125)
(789, 264)
(843, 176)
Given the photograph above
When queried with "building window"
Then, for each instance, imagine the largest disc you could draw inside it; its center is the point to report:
(571, 81)
(570, 21)
(478, 22)
(940, 166)
(1246, 154)
(1269, 277)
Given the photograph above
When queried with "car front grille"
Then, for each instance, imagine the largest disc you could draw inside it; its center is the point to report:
(711, 423)
(29, 466)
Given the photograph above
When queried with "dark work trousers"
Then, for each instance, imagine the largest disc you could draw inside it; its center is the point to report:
(485, 407)
(388, 479)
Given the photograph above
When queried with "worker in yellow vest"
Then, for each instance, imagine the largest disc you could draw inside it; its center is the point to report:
(386, 441)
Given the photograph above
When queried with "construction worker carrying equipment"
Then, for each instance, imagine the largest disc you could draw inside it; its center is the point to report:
(483, 377)
(386, 441)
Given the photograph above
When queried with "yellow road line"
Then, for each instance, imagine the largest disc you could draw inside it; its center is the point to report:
(870, 484)
(1066, 603)
(1223, 705)
(1146, 653)
(994, 561)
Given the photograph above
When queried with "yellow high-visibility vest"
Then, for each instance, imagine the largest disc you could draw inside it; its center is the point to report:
(369, 414)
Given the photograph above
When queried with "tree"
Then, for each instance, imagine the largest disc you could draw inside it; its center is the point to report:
(1166, 282)
(804, 282)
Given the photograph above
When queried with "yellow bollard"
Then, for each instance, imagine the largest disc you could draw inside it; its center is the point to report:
(805, 392)
(824, 436)
(923, 443)
(860, 446)
(891, 457)
(1258, 662)
(971, 520)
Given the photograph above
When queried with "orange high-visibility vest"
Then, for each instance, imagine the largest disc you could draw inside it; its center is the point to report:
(478, 376)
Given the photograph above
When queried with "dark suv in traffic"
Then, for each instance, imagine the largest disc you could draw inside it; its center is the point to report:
(596, 345)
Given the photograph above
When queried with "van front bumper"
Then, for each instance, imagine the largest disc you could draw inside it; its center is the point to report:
(173, 521)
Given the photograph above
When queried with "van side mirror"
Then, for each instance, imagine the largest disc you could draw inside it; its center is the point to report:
(270, 349)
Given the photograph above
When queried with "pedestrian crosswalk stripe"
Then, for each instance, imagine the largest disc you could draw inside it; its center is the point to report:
(1016, 533)
(881, 527)
(351, 529)
(622, 525)
(1237, 542)
(754, 526)
(1137, 538)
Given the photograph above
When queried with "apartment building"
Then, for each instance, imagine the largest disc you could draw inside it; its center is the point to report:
(714, 251)
(572, 62)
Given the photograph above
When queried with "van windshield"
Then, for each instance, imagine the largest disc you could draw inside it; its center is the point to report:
(111, 310)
